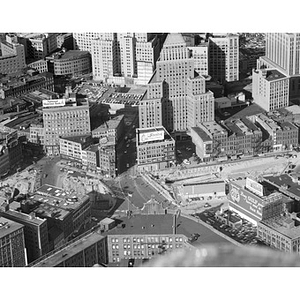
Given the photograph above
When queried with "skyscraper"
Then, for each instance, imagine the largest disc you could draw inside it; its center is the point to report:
(105, 58)
(175, 84)
(283, 53)
(224, 57)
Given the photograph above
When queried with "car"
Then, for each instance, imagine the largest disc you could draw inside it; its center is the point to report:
(188, 148)
(187, 162)
(207, 205)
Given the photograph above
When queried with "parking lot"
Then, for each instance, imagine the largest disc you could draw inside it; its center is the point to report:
(123, 98)
(246, 234)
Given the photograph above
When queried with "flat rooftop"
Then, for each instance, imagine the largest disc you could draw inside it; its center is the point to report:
(274, 75)
(110, 124)
(294, 109)
(280, 224)
(250, 110)
(70, 250)
(80, 139)
(285, 182)
(162, 224)
(58, 197)
(214, 128)
(73, 54)
(270, 193)
(26, 218)
(7, 227)
(202, 134)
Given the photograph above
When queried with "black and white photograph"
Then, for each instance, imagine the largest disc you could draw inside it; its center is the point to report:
(158, 148)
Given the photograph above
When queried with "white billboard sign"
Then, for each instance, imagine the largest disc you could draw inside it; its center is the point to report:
(254, 187)
(54, 102)
(152, 136)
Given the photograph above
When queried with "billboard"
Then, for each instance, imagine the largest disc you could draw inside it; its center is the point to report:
(245, 202)
(54, 102)
(254, 186)
(155, 135)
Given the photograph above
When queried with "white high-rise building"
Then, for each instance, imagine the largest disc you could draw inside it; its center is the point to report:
(224, 57)
(83, 40)
(200, 55)
(106, 63)
(283, 53)
(175, 91)
(270, 89)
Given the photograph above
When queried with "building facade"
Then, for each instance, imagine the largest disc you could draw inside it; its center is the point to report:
(200, 55)
(155, 149)
(72, 62)
(12, 245)
(12, 58)
(88, 251)
(64, 119)
(270, 89)
(35, 232)
(224, 58)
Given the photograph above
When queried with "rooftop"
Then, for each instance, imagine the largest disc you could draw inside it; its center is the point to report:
(73, 54)
(214, 128)
(174, 39)
(286, 184)
(250, 110)
(92, 148)
(80, 139)
(162, 224)
(110, 124)
(274, 75)
(71, 250)
(58, 197)
(202, 134)
(7, 227)
(294, 109)
(280, 224)
(269, 192)
(26, 218)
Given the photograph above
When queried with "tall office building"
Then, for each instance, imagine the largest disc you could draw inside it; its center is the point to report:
(63, 117)
(147, 53)
(171, 89)
(38, 45)
(35, 232)
(224, 57)
(12, 58)
(270, 89)
(105, 60)
(200, 103)
(200, 55)
(128, 61)
(12, 245)
(83, 40)
(283, 53)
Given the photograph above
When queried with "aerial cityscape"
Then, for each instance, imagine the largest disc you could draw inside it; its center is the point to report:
(127, 149)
